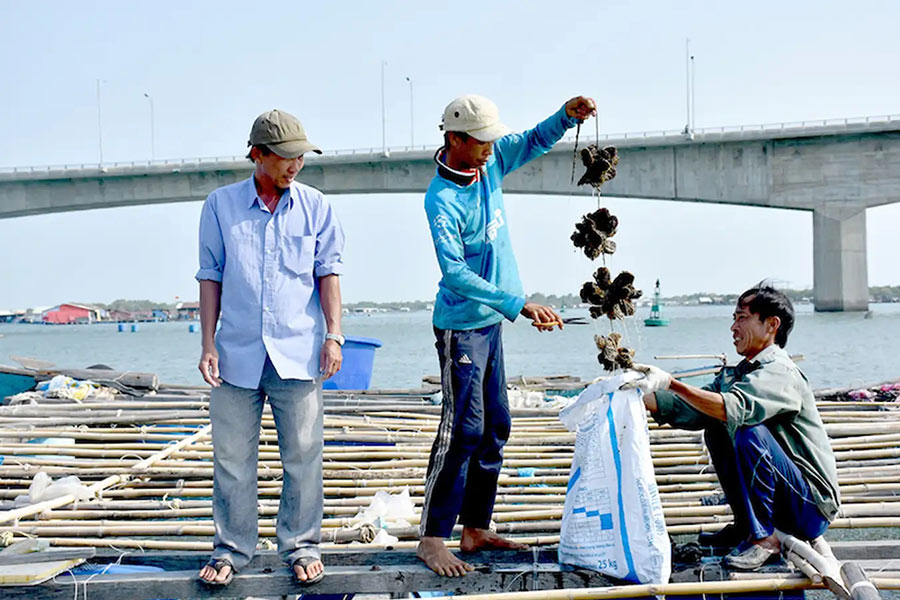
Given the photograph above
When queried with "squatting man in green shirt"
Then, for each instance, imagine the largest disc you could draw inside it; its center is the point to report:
(763, 433)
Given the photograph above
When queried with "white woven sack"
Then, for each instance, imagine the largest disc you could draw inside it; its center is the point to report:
(613, 520)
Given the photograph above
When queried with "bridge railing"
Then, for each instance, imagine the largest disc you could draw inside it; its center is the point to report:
(764, 127)
(175, 164)
(193, 162)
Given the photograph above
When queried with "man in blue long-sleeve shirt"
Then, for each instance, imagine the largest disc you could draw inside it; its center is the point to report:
(270, 260)
(479, 288)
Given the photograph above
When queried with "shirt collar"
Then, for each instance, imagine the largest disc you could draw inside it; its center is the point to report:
(766, 355)
(254, 200)
(461, 178)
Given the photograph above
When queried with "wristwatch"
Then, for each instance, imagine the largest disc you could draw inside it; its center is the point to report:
(336, 337)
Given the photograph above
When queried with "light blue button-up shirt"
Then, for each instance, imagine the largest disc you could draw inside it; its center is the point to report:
(269, 265)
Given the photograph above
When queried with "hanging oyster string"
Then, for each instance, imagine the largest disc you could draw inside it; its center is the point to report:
(593, 232)
(612, 356)
(611, 297)
(575, 150)
(600, 165)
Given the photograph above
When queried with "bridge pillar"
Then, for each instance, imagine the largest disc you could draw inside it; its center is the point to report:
(840, 272)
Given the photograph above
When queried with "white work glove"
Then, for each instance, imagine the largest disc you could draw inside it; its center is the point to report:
(652, 379)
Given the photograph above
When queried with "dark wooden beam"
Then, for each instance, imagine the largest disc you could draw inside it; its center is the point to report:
(352, 557)
(400, 579)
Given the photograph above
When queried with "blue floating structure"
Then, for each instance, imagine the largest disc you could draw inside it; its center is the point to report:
(15, 381)
(656, 319)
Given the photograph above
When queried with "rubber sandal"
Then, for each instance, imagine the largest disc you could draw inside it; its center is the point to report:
(305, 561)
(218, 564)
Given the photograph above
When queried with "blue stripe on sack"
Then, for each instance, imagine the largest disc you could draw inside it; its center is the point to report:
(573, 479)
(631, 576)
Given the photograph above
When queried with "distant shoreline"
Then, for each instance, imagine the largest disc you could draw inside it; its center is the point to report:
(370, 308)
(140, 311)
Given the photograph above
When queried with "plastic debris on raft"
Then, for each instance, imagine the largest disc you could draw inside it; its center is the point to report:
(594, 231)
(613, 298)
(612, 356)
(601, 165)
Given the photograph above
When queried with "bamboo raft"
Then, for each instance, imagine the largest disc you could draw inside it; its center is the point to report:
(148, 462)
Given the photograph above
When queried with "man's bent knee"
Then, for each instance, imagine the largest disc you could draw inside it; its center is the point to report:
(751, 438)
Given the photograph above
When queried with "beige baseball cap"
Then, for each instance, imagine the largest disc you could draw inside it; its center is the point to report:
(282, 133)
(476, 116)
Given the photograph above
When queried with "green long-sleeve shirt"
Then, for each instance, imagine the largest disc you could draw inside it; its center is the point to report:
(770, 389)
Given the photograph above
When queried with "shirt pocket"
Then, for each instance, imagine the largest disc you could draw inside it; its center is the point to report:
(243, 243)
(298, 255)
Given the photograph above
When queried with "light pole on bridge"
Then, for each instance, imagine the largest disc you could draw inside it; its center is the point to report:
(412, 140)
(99, 125)
(152, 128)
(383, 118)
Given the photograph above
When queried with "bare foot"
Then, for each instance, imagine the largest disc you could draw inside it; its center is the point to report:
(207, 573)
(484, 539)
(311, 571)
(436, 557)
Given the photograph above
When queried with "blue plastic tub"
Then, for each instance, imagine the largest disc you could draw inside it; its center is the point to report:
(356, 370)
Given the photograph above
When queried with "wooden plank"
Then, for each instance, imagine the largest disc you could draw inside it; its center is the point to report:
(338, 580)
(32, 573)
(176, 561)
(49, 555)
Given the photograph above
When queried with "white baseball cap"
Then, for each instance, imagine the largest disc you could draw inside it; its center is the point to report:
(476, 116)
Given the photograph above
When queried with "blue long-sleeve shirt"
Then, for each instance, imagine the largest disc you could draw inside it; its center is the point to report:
(269, 265)
(480, 282)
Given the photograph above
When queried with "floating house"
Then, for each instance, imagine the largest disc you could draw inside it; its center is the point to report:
(188, 311)
(70, 313)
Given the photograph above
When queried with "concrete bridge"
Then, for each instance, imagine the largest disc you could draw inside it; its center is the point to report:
(836, 169)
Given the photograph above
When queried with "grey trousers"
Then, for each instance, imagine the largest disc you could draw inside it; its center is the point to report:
(235, 414)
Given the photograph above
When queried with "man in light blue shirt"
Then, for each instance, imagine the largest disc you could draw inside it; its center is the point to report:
(270, 257)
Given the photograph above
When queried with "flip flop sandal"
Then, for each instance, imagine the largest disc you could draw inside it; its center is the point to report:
(305, 561)
(218, 564)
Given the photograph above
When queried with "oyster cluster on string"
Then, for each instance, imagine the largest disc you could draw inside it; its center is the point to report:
(611, 297)
(593, 233)
(600, 165)
(612, 356)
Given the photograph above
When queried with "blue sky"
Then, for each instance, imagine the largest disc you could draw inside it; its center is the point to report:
(211, 67)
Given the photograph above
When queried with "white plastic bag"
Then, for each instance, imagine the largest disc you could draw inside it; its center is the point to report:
(44, 488)
(613, 519)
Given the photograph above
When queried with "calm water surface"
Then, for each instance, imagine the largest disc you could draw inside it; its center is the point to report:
(839, 349)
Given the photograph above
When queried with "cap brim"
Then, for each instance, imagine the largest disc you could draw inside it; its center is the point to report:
(491, 133)
(293, 149)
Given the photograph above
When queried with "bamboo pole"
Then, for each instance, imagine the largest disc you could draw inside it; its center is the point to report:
(206, 546)
(13, 515)
(868, 462)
